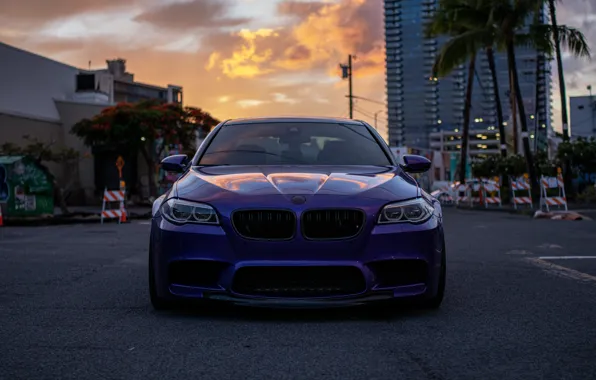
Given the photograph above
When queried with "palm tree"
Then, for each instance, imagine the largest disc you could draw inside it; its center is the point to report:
(493, 71)
(459, 20)
(508, 19)
(576, 44)
(489, 24)
(562, 90)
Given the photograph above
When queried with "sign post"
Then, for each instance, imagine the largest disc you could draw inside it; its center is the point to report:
(119, 166)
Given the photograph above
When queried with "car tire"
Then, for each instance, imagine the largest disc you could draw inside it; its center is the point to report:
(435, 301)
(158, 303)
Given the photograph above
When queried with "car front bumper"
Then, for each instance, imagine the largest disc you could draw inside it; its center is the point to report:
(381, 244)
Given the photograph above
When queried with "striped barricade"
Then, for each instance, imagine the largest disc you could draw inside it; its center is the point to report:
(461, 194)
(519, 186)
(476, 192)
(558, 199)
(491, 193)
(444, 195)
(112, 196)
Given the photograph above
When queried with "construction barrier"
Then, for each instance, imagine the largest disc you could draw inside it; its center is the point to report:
(520, 185)
(444, 195)
(476, 192)
(491, 193)
(461, 193)
(549, 184)
(112, 196)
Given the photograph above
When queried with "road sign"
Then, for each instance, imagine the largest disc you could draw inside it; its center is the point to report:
(120, 165)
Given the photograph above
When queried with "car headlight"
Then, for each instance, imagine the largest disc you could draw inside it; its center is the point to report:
(413, 211)
(179, 211)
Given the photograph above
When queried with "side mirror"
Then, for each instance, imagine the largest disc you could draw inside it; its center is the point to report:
(176, 163)
(415, 164)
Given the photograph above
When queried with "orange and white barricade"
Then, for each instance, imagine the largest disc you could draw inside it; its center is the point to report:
(461, 193)
(476, 192)
(520, 185)
(558, 199)
(491, 193)
(444, 195)
(113, 196)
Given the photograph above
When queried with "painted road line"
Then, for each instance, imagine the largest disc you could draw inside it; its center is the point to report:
(561, 271)
(566, 257)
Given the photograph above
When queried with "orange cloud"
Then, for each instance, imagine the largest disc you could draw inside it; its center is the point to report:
(245, 62)
(322, 35)
(257, 72)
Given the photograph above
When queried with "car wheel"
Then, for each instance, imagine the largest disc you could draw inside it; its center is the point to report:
(159, 303)
(435, 301)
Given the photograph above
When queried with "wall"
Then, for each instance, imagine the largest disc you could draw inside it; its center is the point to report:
(33, 82)
(582, 111)
(12, 130)
(70, 113)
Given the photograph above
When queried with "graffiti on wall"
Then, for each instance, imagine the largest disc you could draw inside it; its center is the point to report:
(4, 193)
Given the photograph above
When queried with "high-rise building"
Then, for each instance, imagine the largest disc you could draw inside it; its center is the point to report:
(419, 104)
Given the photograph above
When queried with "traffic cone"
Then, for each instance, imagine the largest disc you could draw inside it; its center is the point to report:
(1, 218)
(122, 215)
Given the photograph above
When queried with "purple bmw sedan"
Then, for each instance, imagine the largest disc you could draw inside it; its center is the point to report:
(296, 212)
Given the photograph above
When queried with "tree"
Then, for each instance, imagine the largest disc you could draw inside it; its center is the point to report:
(553, 36)
(44, 153)
(471, 16)
(459, 20)
(576, 44)
(508, 19)
(146, 128)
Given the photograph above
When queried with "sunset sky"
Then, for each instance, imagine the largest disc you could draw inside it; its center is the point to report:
(239, 58)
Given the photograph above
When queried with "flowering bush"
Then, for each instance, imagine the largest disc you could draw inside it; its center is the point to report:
(138, 126)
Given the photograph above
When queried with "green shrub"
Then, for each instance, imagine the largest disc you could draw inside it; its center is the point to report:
(588, 195)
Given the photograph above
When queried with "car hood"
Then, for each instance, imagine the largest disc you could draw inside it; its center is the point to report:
(205, 183)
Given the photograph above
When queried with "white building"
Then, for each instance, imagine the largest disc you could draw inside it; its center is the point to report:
(582, 112)
(43, 98)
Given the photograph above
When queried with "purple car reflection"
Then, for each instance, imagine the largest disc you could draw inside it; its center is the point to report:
(296, 212)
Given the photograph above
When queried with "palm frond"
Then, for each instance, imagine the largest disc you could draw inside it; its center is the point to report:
(458, 50)
(574, 41)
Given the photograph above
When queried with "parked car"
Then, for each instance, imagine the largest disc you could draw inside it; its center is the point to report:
(296, 212)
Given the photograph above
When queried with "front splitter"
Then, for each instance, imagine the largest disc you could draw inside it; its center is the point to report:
(302, 302)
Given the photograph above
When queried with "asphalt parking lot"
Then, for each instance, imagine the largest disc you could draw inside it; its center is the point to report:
(74, 305)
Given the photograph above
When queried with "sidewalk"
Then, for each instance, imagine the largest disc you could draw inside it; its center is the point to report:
(78, 215)
(133, 211)
(588, 211)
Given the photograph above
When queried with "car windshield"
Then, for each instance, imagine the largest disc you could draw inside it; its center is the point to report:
(303, 143)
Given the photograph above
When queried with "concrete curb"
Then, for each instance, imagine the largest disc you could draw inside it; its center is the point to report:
(584, 214)
(527, 212)
(66, 220)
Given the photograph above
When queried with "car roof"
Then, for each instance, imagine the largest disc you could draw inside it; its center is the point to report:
(292, 119)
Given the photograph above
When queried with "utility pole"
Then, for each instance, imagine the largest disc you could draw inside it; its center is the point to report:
(375, 114)
(350, 84)
(347, 74)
